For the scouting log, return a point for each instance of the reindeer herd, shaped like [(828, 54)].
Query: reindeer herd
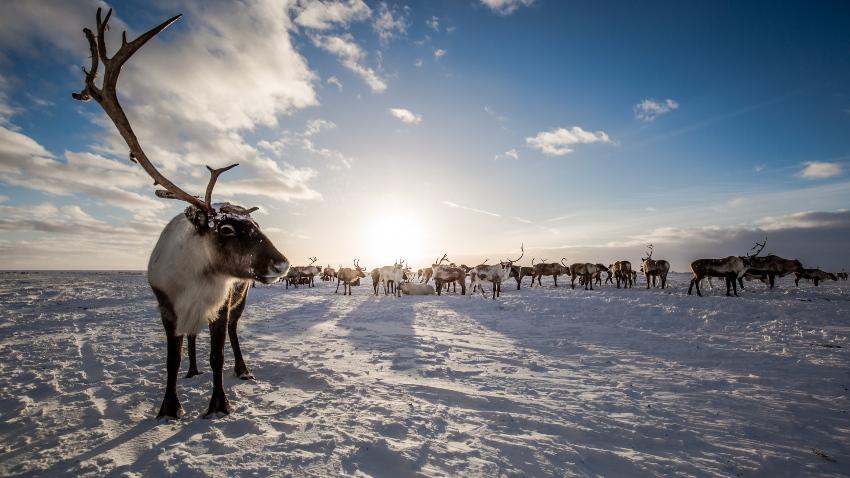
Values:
[(207, 256), (400, 279)]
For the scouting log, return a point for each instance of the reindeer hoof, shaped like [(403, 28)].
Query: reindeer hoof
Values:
[(219, 407), (192, 373), (244, 373), (170, 409)]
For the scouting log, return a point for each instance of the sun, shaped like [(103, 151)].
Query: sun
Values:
[(395, 235)]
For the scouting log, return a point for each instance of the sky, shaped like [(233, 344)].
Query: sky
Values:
[(380, 130)]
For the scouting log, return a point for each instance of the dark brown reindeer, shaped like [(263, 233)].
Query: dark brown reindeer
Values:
[(770, 266), (730, 268), (553, 269), (206, 257), (816, 275)]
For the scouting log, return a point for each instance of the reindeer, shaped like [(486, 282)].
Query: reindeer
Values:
[(293, 277), (310, 272), (205, 259), (815, 275), (519, 273), (410, 288), (349, 277), (328, 273), (447, 274), (391, 277), (770, 266), (584, 272), (622, 271), (425, 274), (553, 269), (376, 279), (730, 268), (652, 268), (495, 274)]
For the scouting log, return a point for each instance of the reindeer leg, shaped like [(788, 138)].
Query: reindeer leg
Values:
[(170, 407), (239, 368), (555, 276), (218, 333), (772, 278), (343, 290), (193, 364)]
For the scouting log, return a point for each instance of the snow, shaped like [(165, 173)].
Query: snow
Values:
[(542, 382)]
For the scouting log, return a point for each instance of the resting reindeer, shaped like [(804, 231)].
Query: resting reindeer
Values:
[(584, 272), (553, 269), (496, 274), (730, 268), (815, 275), (448, 274), (410, 288), (349, 277), (206, 257), (654, 268)]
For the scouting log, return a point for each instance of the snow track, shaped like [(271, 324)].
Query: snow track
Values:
[(543, 382)]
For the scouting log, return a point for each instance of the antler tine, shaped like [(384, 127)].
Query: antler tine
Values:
[(107, 97), (214, 174), (522, 248), (563, 259)]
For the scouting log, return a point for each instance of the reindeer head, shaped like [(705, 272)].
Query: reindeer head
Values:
[(236, 245), (360, 271)]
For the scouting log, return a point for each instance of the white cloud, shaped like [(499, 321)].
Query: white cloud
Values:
[(418, 63), (324, 15), (317, 126), (649, 109), (389, 23), (433, 23), (352, 57), (820, 170), (470, 209), (406, 116), (559, 142), (509, 154), (25, 163), (506, 7), (334, 81), (439, 53)]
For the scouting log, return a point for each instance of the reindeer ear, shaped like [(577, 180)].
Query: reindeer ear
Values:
[(199, 218)]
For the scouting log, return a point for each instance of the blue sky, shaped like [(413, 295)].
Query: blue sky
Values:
[(379, 129)]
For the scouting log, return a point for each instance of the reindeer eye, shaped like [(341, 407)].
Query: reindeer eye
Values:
[(226, 230)]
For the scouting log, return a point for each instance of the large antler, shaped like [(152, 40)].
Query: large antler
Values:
[(759, 246), (521, 248), (312, 260), (107, 97), (444, 258), (563, 263), (649, 248)]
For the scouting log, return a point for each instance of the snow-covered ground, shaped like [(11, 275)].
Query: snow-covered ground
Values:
[(543, 382)]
